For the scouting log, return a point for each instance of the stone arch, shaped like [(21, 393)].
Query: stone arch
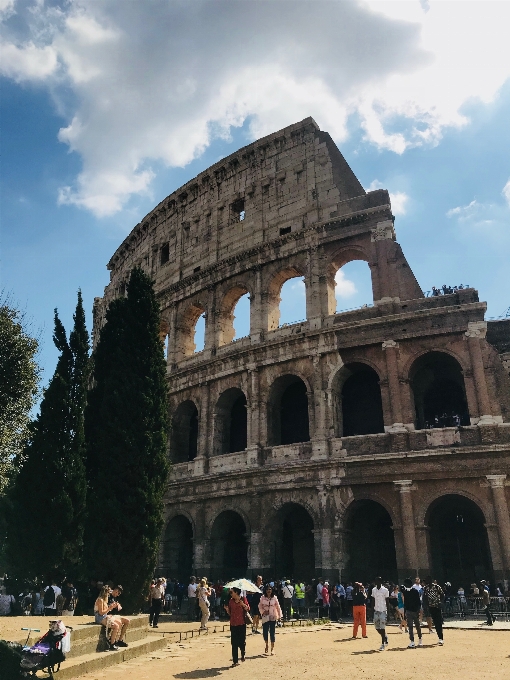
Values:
[(438, 390), (337, 260), (185, 331), (230, 422), (370, 542), (228, 545), (273, 293), (226, 331), (294, 544), (288, 411), (458, 541), (184, 432), (177, 548), (357, 402)]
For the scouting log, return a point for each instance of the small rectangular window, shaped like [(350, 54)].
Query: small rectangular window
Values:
[(285, 230), (164, 253), (196, 270), (237, 210)]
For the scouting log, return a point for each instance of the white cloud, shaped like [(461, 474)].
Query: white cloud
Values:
[(344, 288), (156, 82), (399, 199), (506, 192), (465, 212), (483, 220)]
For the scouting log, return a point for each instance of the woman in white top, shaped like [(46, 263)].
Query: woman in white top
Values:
[(203, 593), (271, 612)]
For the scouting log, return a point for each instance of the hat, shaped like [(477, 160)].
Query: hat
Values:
[(287, 582)]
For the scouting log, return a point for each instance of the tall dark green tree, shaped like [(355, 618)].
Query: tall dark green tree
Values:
[(47, 503), (126, 427)]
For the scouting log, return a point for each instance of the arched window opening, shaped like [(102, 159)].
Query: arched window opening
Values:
[(353, 286), (286, 299), (177, 549), (439, 394), (231, 422), (199, 336), (164, 337), (358, 401), (234, 318), (294, 545), (370, 543), (459, 547), (241, 320), (184, 435), (288, 412), (229, 547)]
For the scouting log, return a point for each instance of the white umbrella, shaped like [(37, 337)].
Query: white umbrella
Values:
[(243, 584)]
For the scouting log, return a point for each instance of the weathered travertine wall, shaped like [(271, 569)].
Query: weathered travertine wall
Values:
[(289, 205)]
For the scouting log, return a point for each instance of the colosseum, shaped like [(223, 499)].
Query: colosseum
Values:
[(375, 440)]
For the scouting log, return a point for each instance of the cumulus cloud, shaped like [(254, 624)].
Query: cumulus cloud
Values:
[(156, 82), (399, 199), (344, 288)]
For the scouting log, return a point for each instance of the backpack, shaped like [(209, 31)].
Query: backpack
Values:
[(49, 597)]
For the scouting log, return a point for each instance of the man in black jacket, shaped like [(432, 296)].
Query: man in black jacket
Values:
[(412, 606)]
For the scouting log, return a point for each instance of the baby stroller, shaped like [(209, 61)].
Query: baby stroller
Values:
[(48, 653)]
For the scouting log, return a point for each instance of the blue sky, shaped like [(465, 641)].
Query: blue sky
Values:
[(101, 120)]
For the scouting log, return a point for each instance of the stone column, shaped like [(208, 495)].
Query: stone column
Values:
[(497, 483), (405, 486), (381, 237), (258, 323), (203, 452), (253, 444), (171, 350), (316, 290), (475, 334), (211, 322), (391, 349)]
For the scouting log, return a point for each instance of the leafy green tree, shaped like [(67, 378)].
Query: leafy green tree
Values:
[(46, 505), (126, 427), (19, 379)]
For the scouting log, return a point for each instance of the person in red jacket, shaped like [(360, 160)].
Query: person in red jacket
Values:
[(236, 608)]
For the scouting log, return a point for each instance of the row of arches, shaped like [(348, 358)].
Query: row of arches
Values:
[(437, 386), (348, 286), (458, 544)]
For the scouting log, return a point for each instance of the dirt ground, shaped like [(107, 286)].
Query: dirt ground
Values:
[(328, 653)]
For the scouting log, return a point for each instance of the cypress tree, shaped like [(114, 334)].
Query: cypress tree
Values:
[(46, 505), (126, 426)]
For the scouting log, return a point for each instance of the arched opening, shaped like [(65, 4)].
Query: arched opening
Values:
[(437, 385), (286, 299), (294, 553), (353, 286), (234, 318), (177, 549), (370, 543), (229, 546), (184, 434), (190, 331), (459, 546), (288, 412), (358, 404), (231, 422)]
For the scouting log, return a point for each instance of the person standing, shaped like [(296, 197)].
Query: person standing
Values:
[(433, 593), (203, 593), (70, 595), (401, 610), (288, 592), (236, 608), (486, 601), (253, 600), (192, 599), (348, 598), (271, 612), (325, 598), (51, 593), (380, 597), (156, 595), (359, 610), (300, 593), (320, 586), (412, 605)]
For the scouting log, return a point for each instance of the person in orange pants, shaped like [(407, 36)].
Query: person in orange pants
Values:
[(359, 610)]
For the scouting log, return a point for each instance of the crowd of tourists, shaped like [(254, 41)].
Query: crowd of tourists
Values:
[(415, 606)]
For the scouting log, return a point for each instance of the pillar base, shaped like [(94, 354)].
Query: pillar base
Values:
[(489, 420), (320, 449), (198, 466), (253, 456), (396, 427)]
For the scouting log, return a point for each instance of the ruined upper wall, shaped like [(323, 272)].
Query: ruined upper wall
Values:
[(281, 183)]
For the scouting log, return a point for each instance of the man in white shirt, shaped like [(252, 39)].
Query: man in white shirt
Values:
[(50, 599), (380, 597), (320, 586), (192, 599), (288, 592)]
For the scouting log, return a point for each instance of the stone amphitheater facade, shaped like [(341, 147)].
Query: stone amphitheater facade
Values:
[(303, 450)]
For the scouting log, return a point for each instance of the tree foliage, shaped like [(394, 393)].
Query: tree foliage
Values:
[(46, 505), (19, 379), (126, 427)]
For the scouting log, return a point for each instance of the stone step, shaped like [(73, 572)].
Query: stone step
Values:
[(94, 661), (92, 637)]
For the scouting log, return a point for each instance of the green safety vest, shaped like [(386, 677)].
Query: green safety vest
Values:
[(300, 592)]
